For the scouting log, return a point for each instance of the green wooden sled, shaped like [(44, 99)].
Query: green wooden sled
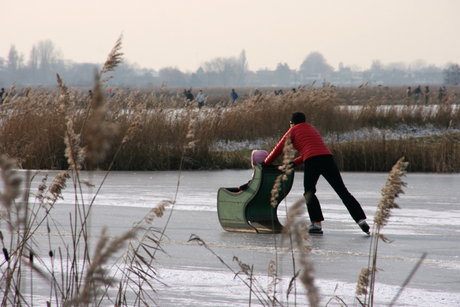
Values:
[(250, 210)]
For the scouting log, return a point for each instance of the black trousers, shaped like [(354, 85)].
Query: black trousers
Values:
[(325, 165)]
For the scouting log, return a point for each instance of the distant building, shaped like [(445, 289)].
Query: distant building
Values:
[(309, 78)]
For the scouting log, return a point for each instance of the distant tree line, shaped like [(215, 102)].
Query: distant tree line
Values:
[(452, 74), (45, 60)]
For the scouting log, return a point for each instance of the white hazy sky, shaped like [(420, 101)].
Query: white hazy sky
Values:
[(187, 33)]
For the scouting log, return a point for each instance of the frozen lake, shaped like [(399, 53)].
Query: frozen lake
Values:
[(428, 221)]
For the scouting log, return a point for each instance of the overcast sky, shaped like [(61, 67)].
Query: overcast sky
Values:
[(186, 33)]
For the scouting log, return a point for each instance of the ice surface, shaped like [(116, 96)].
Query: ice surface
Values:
[(428, 221)]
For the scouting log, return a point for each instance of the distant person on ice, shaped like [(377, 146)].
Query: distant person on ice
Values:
[(200, 99), (233, 95), (440, 95), (2, 95), (427, 95), (185, 91), (408, 94), (417, 92), (318, 160), (189, 96)]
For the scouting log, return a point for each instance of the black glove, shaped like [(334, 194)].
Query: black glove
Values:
[(291, 164), (244, 186), (263, 164)]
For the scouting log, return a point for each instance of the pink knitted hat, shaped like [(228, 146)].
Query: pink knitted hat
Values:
[(258, 156)]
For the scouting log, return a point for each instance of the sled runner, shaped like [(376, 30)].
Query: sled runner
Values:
[(250, 210)]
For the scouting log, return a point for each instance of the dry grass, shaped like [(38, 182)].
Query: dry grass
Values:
[(429, 154), (34, 122)]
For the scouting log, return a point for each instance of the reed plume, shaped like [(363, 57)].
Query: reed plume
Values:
[(113, 59), (392, 189), (363, 282), (41, 190), (74, 153), (138, 269), (157, 211), (273, 280), (132, 128), (11, 182), (96, 275), (99, 133), (58, 184), (64, 97), (390, 192), (296, 230), (190, 137), (286, 168), (10, 94)]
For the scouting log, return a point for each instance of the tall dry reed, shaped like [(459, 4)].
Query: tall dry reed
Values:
[(380, 153), (84, 278), (392, 189), (33, 123)]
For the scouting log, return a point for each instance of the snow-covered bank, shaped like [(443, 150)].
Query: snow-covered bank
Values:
[(401, 132)]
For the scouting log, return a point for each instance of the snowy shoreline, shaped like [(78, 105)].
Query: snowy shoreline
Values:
[(401, 132)]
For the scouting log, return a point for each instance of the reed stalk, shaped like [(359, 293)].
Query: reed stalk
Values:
[(392, 189)]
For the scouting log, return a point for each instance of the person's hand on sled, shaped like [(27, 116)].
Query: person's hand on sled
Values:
[(244, 186)]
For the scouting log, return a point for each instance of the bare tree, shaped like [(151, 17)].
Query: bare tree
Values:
[(452, 74), (173, 76), (14, 64), (377, 66), (316, 63), (242, 67), (199, 78), (33, 63), (47, 57), (225, 69), (401, 66), (14, 59), (283, 74), (418, 64)]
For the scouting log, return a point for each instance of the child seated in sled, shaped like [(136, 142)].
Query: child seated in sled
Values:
[(257, 156)]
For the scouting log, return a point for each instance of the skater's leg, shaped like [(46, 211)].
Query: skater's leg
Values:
[(332, 175), (313, 206), (311, 176)]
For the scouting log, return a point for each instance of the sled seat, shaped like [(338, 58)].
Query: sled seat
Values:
[(250, 210)]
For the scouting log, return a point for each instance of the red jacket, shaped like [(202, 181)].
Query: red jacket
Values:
[(305, 139)]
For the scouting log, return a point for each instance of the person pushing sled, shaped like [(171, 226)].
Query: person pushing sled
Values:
[(318, 160)]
